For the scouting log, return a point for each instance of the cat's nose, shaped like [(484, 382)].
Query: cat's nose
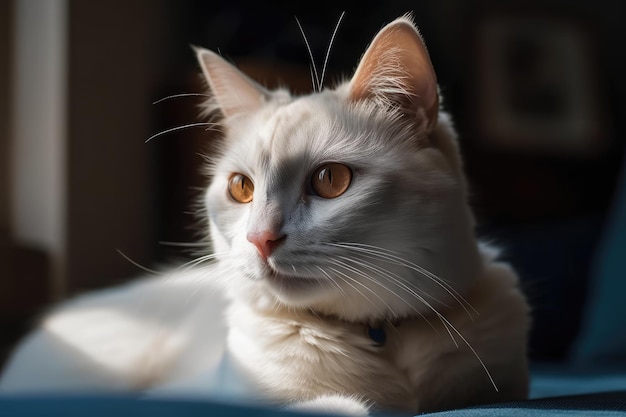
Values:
[(266, 242)]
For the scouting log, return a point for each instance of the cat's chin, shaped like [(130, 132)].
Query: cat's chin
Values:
[(293, 290)]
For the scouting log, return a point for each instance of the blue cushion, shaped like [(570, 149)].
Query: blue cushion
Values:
[(559, 380), (595, 405), (610, 404), (123, 406), (603, 336)]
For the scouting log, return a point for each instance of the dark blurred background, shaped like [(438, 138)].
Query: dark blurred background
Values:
[(536, 89)]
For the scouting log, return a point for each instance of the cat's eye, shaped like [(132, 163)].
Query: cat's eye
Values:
[(240, 188), (331, 180)]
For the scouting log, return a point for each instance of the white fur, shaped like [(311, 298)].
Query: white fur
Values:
[(396, 250)]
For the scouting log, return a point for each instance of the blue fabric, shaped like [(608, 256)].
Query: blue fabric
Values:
[(122, 406), (596, 405), (565, 380), (604, 396), (608, 398), (603, 339)]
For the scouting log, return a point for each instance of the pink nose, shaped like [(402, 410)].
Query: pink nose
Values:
[(265, 242)]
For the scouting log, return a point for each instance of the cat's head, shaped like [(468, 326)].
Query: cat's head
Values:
[(349, 201)]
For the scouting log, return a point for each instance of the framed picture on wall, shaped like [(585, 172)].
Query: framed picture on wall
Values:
[(536, 87)]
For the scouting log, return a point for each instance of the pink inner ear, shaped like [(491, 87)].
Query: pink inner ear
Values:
[(396, 67)]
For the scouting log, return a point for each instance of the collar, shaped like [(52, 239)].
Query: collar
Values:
[(376, 331), (377, 334)]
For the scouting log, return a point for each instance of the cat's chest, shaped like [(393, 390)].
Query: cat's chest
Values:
[(299, 358)]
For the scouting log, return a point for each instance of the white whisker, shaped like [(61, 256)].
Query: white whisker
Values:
[(391, 257), (173, 129), (217, 276), (151, 271), (312, 76), (341, 276), (181, 95), (183, 244), (332, 280), (474, 352), (316, 83), (330, 45), (427, 304), (379, 253), (405, 288), (350, 269), (395, 278), (187, 266)]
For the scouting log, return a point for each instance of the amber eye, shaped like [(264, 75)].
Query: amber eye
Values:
[(331, 180), (240, 188)]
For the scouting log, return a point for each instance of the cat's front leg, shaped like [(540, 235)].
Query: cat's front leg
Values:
[(334, 404), (129, 338)]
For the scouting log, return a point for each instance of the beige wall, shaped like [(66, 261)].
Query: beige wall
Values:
[(116, 64), (5, 67)]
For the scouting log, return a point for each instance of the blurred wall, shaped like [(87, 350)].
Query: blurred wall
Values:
[(117, 58), (38, 130), (5, 65)]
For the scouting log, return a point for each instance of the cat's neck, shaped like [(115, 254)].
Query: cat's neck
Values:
[(375, 328)]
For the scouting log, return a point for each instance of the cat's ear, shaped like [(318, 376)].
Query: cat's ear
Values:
[(233, 91), (396, 71)]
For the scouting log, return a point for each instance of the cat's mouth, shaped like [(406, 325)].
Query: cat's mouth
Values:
[(294, 290), (288, 282)]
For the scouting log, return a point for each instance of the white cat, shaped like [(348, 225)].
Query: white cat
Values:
[(346, 265)]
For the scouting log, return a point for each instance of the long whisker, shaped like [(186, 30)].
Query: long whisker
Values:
[(181, 95), (189, 249), (395, 278), (356, 271), (198, 261), (316, 83), (150, 271), (173, 129), (332, 280), (342, 275), (408, 290), (183, 244), (473, 351), (219, 276), (449, 326), (330, 45), (312, 77), (372, 254), (391, 257), (396, 256)]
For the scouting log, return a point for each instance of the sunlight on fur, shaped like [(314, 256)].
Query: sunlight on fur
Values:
[(111, 339)]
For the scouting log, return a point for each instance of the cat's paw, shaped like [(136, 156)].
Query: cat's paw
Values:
[(335, 404)]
